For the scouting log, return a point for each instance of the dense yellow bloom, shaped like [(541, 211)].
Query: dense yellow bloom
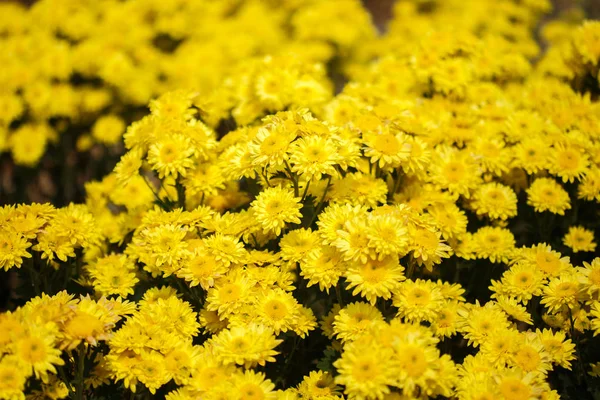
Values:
[(324, 267), (548, 261), (275, 207), (37, 353), (113, 274), (545, 194), (13, 247), (579, 239), (13, 379), (359, 189), (375, 278), (521, 281), (171, 156), (245, 345), (355, 320), (128, 166), (477, 322), (428, 247), (591, 273), (455, 171), (418, 300), (314, 156), (302, 148), (108, 129), (495, 244), (495, 201), (564, 290), (366, 374), (386, 148), (299, 244)]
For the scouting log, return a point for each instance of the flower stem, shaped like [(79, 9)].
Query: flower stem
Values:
[(180, 194), (80, 371), (305, 191), (320, 204), (293, 178), (338, 293)]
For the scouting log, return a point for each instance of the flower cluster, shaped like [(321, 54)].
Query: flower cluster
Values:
[(427, 232), (84, 68)]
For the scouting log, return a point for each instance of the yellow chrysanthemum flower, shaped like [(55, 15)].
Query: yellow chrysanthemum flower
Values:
[(579, 239), (248, 345), (545, 194), (495, 201), (275, 207)]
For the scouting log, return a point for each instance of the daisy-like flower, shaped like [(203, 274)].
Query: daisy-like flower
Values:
[(252, 385), (13, 248), (314, 156), (456, 171), (211, 322), (229, 294), (564, 290), (419, 155), (271, 146), (92, 321), (275, 207), (150, 370), (248, 345), (108, 129), (550, 262), (428, 247), (171, 156), (366, 374), (225, 248), (161, 248), (495, 201), (589, 187), (353, 241), (278, 310), (531, 154), (173, 105), (596, 318), (515, 384), (531, 356), (387, 235), (450, 220), (37, 352), (318, 385), (477, 323), (499, 347), (202, 268), (579, 239), (521, 281), (12, 378), (446, 320), (591, 273), (334, 217), (417, 362), (324, 267), (375, 278), (560, 349), (545, 194), (492, 154), (354, 320), (359, 189), (515, 310), (299, 244), (113, 274), (418, 300), (568, 162), (386, 148), (493, 243)]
